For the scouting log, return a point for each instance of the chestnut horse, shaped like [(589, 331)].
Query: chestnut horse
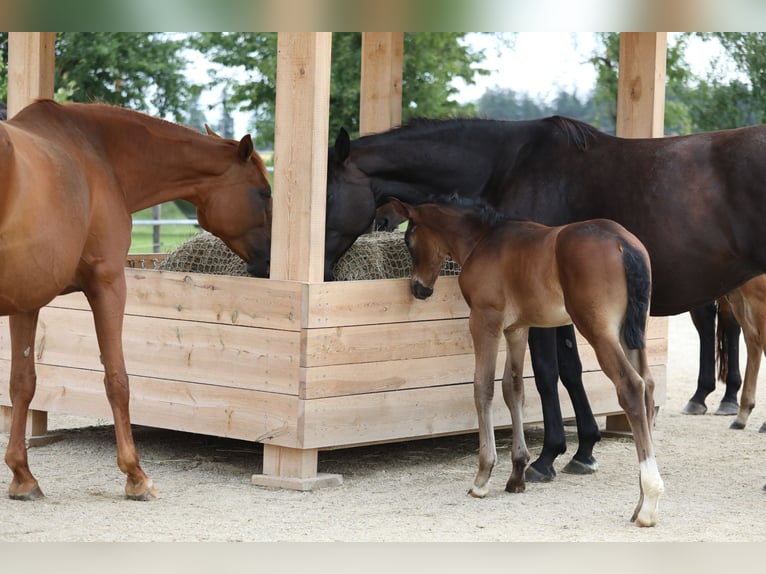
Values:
[(518, 274), (71, 177), (696, 202)]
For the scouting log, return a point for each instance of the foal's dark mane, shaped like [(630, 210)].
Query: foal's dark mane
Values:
[(485, 213)]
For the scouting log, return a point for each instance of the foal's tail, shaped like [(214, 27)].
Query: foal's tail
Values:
[(638, 276)]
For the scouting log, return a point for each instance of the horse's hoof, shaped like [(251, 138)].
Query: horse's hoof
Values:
[(34, 494), (150, 493), (693, 408), (578, 467), (477, 492), (515, 487), (727, 408), (531, 474), (736, 425)]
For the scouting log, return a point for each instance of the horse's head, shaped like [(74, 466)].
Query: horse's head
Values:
[(238, 210), (425, 248), (350, 202)]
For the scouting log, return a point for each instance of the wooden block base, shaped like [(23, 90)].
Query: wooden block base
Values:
[(321, 480)]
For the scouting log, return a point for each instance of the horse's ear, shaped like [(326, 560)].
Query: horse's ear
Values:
[(402, 209), (210, 131), (342, 146), (245, 149)]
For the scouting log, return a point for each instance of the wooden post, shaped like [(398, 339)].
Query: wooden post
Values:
[(641, 85), (298, 225), (300, 155), (640, 109), (380, 106), (30, 76)]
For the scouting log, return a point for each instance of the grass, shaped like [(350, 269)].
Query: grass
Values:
[(171, 236)]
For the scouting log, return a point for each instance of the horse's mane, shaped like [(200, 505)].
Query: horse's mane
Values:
[(577, 132)]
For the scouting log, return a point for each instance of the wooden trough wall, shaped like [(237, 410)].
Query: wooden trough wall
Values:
[(306, 366)]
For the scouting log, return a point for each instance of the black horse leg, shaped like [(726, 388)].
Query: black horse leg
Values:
[(703, 318), (728, 339), (570, 371), (542, 352)]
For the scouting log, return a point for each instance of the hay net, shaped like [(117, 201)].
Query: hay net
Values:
[(376, 255)]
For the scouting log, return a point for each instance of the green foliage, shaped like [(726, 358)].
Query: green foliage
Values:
[(247, 65)]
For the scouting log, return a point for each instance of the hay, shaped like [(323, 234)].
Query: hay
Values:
[(377, 255)]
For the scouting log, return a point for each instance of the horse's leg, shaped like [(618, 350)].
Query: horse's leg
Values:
[(513, 394), (542, 352), (107, 300), (636, 399), (22, 389), (751, 319), (703, 318), (728, 338), (570, 370), (485, 332)]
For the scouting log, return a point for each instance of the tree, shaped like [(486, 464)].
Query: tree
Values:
[(143, 71), (247, 63)]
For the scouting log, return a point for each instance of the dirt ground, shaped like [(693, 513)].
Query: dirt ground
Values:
[(413, 491)]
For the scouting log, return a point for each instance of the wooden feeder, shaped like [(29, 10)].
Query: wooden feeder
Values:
[(292, 362)]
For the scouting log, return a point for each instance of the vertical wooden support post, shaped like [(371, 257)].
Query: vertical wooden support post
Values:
[(298, 225), (30, 76), (640, 108), (380, 106)]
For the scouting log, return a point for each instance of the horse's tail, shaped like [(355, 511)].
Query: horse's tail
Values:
[(726, 323), (639, 281)]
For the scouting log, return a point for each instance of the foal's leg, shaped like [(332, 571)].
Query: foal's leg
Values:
[(22, 389), (106, 293), (570, 370), (634, 398), (485, 332), (513, 393), (703, 318)]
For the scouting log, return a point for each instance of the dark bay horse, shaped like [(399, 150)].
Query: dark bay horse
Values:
[(71, 175), (518, 274), (696, 202)]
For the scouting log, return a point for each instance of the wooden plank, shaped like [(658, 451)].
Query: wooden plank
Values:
[(225, 355), (243, 301), (300, 155), (387, 341), (30, 68), (417, 413), (345, 303), (380, 105), (178, 405), (641, 84), (381, 376)]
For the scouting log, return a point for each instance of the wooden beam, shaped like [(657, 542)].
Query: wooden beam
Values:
[(30, 68), (641, 84), (300, 155), (380, 106)]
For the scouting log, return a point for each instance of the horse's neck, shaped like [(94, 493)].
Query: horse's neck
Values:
[(461, 236), (411, 166), (152, 160)]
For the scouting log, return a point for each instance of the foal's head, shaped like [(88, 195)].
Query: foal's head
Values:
[(238, 209), (425, 240)]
